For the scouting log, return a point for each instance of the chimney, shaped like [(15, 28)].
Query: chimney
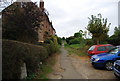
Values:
[(42, 5)]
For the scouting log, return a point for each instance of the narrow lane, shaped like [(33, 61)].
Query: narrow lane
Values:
[(69, 70), (77, 67)]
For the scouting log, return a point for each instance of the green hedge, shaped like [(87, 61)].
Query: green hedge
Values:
[(51, 44), (15, 53)]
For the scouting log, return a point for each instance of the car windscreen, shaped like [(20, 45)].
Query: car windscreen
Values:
[(114, 51), (91, 48)]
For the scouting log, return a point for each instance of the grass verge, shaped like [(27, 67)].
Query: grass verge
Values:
[(45, 68), (77, 49)]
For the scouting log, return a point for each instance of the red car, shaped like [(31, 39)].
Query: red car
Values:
[(97, 49)]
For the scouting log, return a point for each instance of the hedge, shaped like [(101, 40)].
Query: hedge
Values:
[(15, 53)]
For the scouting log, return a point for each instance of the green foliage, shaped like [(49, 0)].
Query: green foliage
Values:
[(68, 39), (59, 40), (75, 41), (115, 38), (98, 28), (89, 42), (52, 44), (15, 53), (63, 38), (117, 31), (79, 34), (46, 68), (20, 22), (77, 49)]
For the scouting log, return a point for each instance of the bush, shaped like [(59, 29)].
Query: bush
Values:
[(89, 42), (52, 44), (14, 54), (114, 40), (74, 41), (59, 40), (69, 38)]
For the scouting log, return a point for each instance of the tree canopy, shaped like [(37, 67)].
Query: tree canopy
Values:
[(115, 38), (98, 27), (79, 34)]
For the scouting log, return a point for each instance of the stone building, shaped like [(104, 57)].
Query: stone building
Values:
[(46, 28)]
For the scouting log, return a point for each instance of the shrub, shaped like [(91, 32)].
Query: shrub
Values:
[(69, 38), (89, 42), (59, 40), (15, 53), (52, 44), (114, 40), (74, 41)]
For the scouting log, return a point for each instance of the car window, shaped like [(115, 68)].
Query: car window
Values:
[(92, 48), (109, 47), (114, 51), (102, 48)]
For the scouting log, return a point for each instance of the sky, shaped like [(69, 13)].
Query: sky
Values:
[(70, 16)]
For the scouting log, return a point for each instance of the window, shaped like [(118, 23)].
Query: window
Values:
[(102, 48), (109, 47), (92, 48)]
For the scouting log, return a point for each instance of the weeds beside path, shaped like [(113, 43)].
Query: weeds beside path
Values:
[(77, 49), (47, 67)]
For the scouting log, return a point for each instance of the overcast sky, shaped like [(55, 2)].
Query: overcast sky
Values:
[(70, 16)]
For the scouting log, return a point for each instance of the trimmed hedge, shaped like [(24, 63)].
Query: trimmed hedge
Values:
[(15, 53)]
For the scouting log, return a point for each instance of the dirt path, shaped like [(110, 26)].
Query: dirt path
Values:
[(75, 67), (66, 63)]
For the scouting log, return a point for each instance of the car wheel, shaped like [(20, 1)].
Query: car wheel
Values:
[(109, 66)]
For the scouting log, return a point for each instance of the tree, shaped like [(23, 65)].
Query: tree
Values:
[(63, 38), (21, 21), (117, 31), (98, 27), (79, 34), (69, 38), (115, 38), (59, 40)]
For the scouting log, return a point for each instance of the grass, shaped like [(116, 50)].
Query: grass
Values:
[(44, 69), (77, 49)]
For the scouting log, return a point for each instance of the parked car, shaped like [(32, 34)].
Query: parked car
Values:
[(106, 60), (116, 68), (118, 46), (97, 49)]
